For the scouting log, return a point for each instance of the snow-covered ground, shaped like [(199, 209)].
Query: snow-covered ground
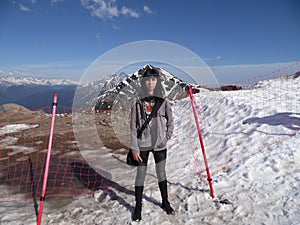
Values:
[(252, 142), (11, 128)]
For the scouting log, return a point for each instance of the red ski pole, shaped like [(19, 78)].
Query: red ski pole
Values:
[(209, 179), (42, 200)]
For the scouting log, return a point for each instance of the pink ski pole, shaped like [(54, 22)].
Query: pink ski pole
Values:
[(209, 179), (42, 200)]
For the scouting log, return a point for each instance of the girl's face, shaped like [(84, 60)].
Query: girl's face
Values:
[(150, 84)]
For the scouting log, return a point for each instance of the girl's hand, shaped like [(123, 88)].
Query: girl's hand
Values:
[(137, 157)]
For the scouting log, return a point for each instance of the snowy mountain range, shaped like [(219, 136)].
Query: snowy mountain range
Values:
[(33, 92), (9, 81)]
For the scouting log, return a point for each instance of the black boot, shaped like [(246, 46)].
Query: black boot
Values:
[(137, 214), (164, 195)]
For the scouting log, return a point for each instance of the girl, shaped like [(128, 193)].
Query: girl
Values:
[(153, 138)]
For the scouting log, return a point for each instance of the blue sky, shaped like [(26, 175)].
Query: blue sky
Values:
[(61, 38)]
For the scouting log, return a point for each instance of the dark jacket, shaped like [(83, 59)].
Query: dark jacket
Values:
[(164, 124)]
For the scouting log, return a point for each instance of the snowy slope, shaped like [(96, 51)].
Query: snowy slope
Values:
[(252, 141)]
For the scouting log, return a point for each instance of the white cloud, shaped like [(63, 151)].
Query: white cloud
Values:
[(101, 8), (147, 9), (130, 12), (24, 8), (107, 9)]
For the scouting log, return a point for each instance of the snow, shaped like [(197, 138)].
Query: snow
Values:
[(253, 160), (11, 128)]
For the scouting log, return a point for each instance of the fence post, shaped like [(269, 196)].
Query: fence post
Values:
[(209, 179), (42, 199)]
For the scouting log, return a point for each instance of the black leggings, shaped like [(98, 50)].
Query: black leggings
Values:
[(160, 165)]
